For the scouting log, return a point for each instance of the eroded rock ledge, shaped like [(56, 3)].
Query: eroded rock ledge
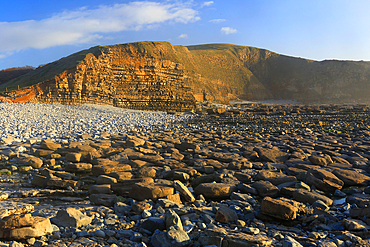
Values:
[(116, 76)]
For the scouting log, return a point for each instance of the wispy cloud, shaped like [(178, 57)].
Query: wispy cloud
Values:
[(209, 3), (217, 20), (183, 36), (88, 25), (228, 30)]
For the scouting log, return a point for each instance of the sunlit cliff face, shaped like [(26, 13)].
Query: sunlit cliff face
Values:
[(157, 75)]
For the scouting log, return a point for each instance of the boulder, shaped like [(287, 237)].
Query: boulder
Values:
[(350, 177), (70, 217), (323, 180), (278, 209), (215, 190), (305, 196), (78, 167), (142, 191), (272, 155), (226, 215), (265, 188), (18, 227), (184, 191), (173, 237)]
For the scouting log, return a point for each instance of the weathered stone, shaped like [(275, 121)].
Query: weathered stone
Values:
[(50, 145), (351, 178), (39, 180), (133, 141), (103, 179), (138, 207), (109, 167), (142, 191), (186, 145), (174, 198), (35, 162), (320, 161), (78, 167), (245, 188), (43, 152), (121, 175), (143, 172), (291, 242), (8, 208), (18, 227), (323, 180), (271, 155), (184, 191), (107, 200), (73, 157), (172, 219), (236, 238), (100, 189), (278, 208), (265, 188), (226, 215), (355, 225), (361, 200), (310, 197), (215, 190), (71, 217), (61, 183), (153, 223), (225, 157), (174, 237)]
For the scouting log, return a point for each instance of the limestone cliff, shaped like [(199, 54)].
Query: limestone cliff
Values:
[(121, 75), (157, 75)]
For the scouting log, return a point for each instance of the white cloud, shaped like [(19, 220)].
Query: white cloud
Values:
[(217, 20), (228, 30), (84, 25), (209, 3), (183, 36)]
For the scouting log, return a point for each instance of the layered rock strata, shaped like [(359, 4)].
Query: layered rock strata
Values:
[(117, 76)]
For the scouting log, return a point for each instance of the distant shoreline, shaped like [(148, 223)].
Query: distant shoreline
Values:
[(268, 102)]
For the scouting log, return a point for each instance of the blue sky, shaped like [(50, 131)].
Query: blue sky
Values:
[(41, 31)]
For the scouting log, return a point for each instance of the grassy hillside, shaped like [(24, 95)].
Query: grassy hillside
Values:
[(48, 71), (12, 73)]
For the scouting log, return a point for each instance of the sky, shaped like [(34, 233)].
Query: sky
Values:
[(41, 31)]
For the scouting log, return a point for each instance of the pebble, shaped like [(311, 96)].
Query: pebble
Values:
[(113, 177)]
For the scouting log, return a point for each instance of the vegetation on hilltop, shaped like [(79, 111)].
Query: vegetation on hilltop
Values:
[(11, 73), (48, 71)]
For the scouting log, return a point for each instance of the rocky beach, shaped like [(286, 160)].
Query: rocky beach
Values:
[(247, 175)]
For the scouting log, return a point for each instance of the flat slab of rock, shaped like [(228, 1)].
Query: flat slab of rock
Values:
[(78, 167), (8, 208), (225, 157), (18, 227), (272, 155), (278, 208), (108, 167), (320, 161), (305, 196), (215, 190), (218, 236), (323, 180), (142, 191), (351, 178), (265, 188)]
